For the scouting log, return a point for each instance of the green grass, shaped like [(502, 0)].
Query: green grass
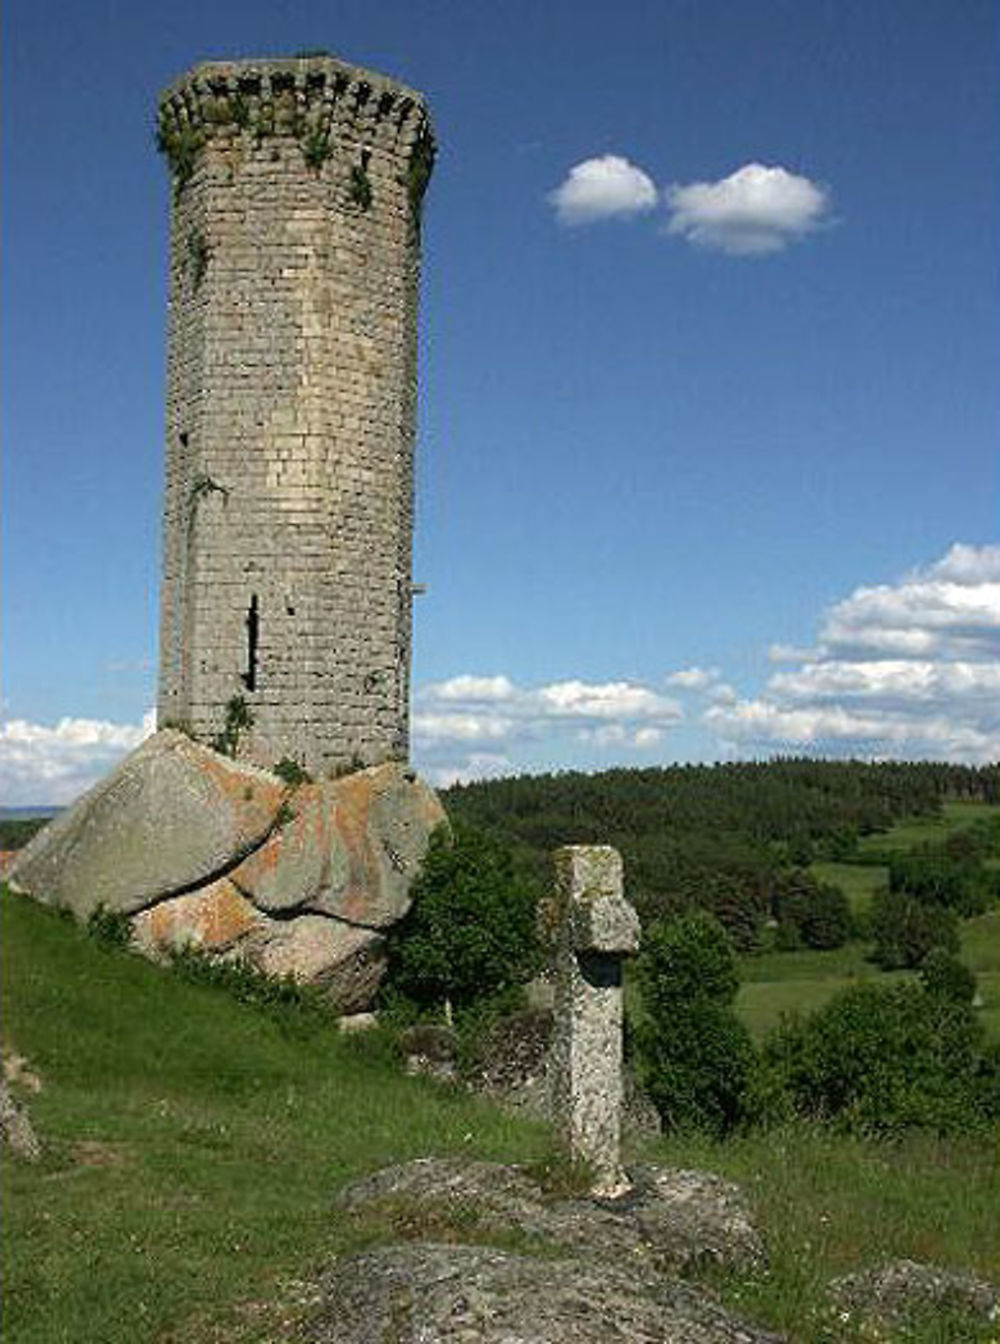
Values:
[(834, 1205), (981, 950), (775, 983), (956, 816), (193, 1145), (782, 982), (856, 882)]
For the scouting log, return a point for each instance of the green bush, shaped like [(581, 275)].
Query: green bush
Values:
[(292, 772), (810, 913), (470, 932), (905, 929), (695, 1057), (112, 928), (949, 875), (944, 976), (878, 1059)]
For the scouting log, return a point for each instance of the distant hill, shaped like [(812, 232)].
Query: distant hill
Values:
[(29, 813)]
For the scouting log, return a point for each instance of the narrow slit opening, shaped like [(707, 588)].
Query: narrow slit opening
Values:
[(249, 677)]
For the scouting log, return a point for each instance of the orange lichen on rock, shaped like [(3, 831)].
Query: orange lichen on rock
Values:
[(213, 918)]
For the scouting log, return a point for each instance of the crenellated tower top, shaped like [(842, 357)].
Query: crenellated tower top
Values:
[(320, 101)]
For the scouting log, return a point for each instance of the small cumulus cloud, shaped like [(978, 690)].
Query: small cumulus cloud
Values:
[(754, 211), (44, 764), (607, 187), (464, 688), (693, 678)]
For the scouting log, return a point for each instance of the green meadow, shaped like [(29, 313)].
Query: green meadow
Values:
[(192, 1146), (775, 983)]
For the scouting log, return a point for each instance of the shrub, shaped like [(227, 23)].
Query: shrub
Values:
[(695, 1057), (734, 902), (470, 932), (112, 928), (291, 771), (905, 929), (881, 1058), (810, 913), (944, 976), (294, 1006), (949, 875)]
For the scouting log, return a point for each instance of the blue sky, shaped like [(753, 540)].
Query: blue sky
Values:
[(707, 459)]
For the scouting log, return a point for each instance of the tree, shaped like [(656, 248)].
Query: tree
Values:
[(695, 1056), (810, 913), (471, 929), (881, 1058), (905, 929)]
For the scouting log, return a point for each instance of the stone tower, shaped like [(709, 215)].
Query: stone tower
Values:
[(295, 251)]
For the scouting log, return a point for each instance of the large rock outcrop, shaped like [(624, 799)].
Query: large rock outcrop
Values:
[(441, 1294), (200, 850), (672, 1219), (594, 1270)]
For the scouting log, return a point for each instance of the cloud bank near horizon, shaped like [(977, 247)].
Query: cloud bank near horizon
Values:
[(905, 670), (908, 670), (49, 766)]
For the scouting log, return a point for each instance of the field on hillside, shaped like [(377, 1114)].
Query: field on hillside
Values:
[(193, 1145), (775, 983)]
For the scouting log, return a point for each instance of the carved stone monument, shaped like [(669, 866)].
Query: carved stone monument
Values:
[(592, 928)]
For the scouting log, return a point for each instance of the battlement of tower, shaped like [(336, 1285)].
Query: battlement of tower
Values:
[(321, 101)]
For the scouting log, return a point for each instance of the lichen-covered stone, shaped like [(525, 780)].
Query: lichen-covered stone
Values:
[(172, 816), (591, 928), (672, 1219), (16, 1130), (347, 962), (434, 1294), (215, 918), (204, 852), (892, 1291), (351, 849)]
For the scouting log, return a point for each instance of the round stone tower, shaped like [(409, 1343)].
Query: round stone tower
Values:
[(295, 251)]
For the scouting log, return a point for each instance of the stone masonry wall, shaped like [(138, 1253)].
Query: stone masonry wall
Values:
[(297, 187)]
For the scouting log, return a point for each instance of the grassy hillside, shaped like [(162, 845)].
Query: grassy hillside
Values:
[(193, 1142), (780, 982), (193, 1145)]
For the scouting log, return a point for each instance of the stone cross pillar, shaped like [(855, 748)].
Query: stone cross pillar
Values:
[(592, 929)]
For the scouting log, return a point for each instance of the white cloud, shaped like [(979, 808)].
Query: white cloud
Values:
[(755, 210), (910, 670), (948, 609), (470, 725), (610, 700), (461, 727), (602, 188), (693, 678), (790, 653), (466, 688), (40, 764), (477, 765)]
